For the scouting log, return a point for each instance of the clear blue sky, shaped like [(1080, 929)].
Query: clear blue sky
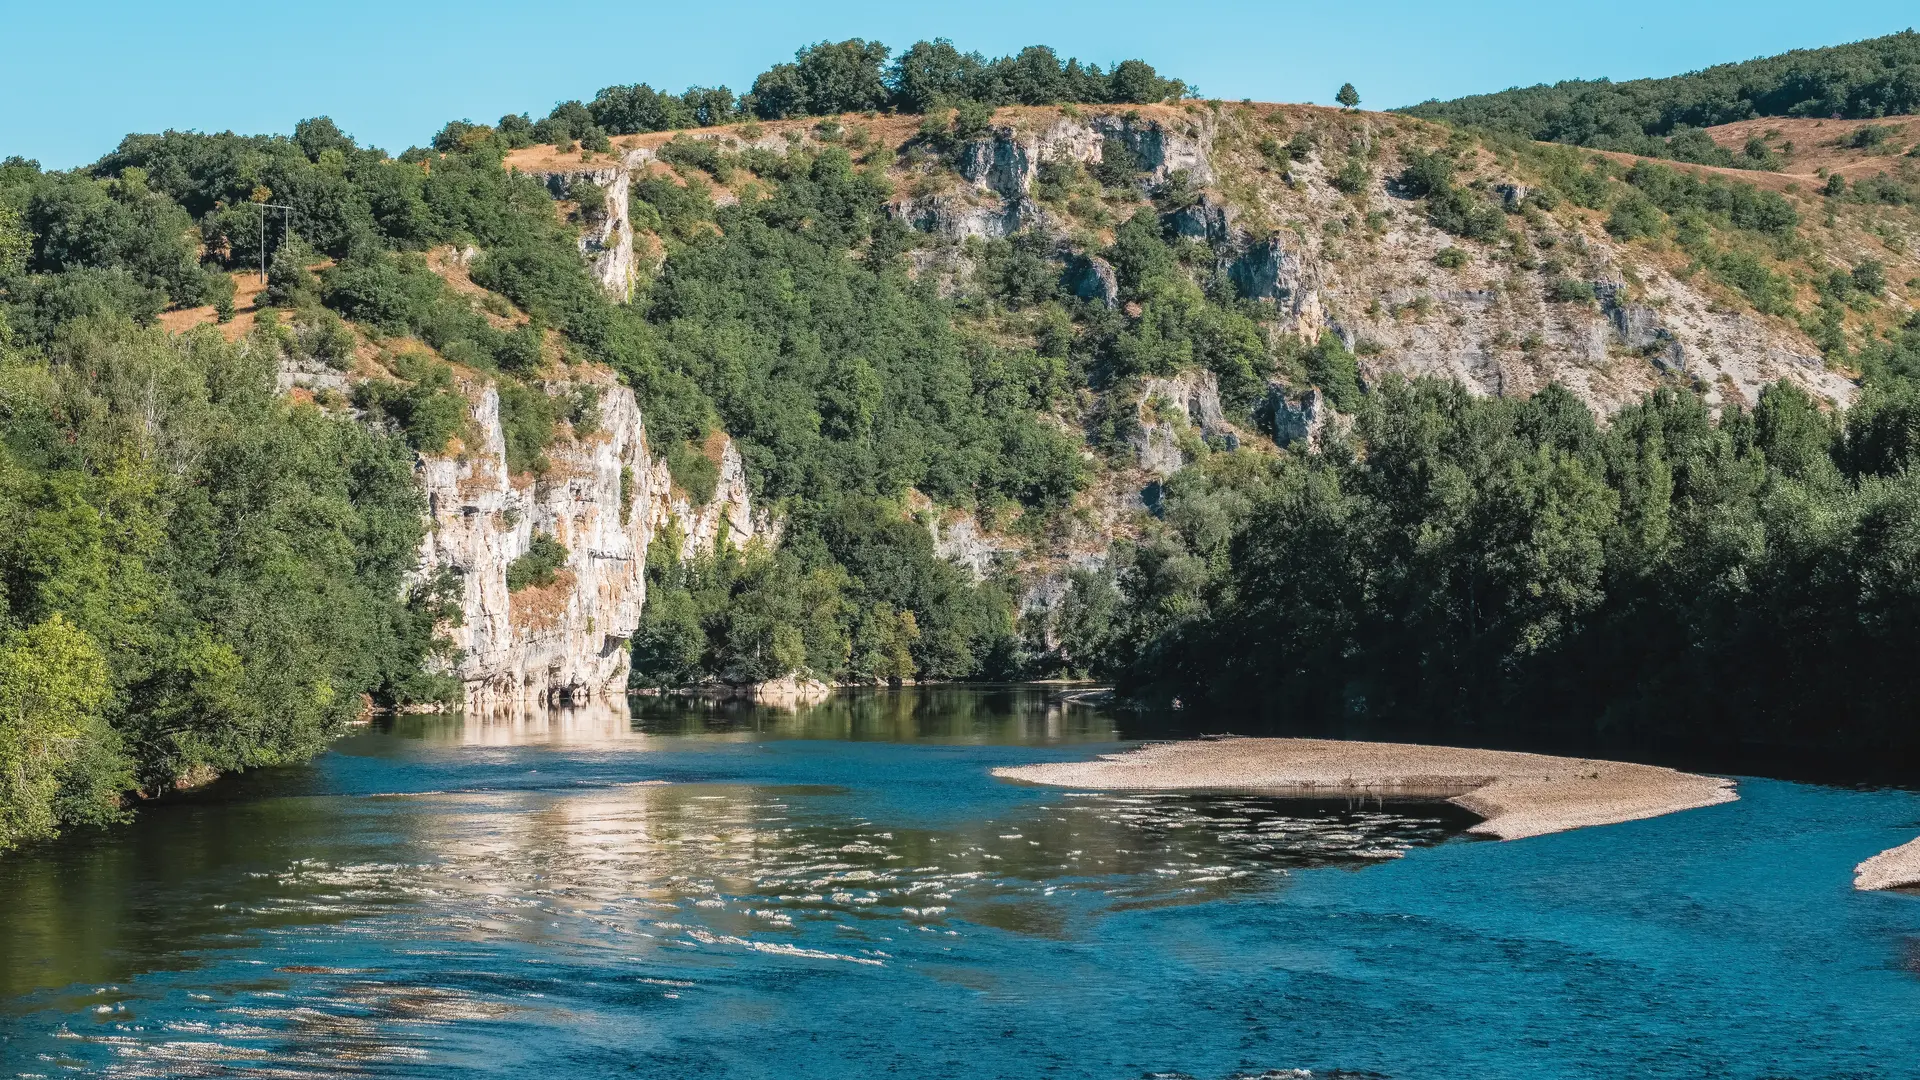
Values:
[(75, 77)]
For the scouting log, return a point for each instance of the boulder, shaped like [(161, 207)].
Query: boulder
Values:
[(1091, 277)]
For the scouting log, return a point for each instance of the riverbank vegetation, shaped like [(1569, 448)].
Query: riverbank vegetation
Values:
[(1499, 562)]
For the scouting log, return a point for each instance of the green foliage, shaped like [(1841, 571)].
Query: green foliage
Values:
[(197, 574), (536, 567), (1563, 290), (1450, 208), (1450, 258), (54, 684), (1740, 205), (837, 373), (527, 416), (855, 593), (1335, 371), (1874, 78), (693, 472), (426, 408), (1512, 563), (1766, 290), (1354, 177), (1347, 97)]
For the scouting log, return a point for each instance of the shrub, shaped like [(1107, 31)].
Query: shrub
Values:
[(1634, 217), (1564, 290), (1870, 277), (427, 408), (1450, 258), (693, 472), (535, 568), (1334, 370), (1425, 174), (1460, 212), (1354, 177), (1118, 166)]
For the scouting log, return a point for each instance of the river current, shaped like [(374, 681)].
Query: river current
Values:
[(708, 890)]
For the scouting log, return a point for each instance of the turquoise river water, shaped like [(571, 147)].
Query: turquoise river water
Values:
[(703, 890)]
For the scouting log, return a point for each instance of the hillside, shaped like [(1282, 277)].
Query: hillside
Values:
[(1858, 81), (989, 390)]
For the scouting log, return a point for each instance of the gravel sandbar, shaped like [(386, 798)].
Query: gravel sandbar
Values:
[(1517, 794), (1895, 868)]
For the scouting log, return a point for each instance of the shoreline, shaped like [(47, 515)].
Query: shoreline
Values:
[(1894, 868), (1516, 794)]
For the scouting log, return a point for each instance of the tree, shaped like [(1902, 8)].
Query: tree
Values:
[(53, 684), (1348, 97)]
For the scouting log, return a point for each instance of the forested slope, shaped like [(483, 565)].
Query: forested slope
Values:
[(1033, 369), (1661, 117)]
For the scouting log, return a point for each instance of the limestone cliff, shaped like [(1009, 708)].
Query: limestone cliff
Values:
[(606, 240), (728, 516), (603, 498)]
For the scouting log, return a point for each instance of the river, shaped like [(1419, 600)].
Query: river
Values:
[(710, 890)]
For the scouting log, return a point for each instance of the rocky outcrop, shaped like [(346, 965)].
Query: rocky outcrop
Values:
[(565, 641), (1274, 271), (1007, 159), (1091, 277), (1001, 166), (604, 498), (727, 516), (1639, 329), (1207, 219), (606, 241), (957, 215), (959, 539), (1176, 408), (1299, 420)]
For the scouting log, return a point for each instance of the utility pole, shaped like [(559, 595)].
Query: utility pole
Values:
[(286, 232)]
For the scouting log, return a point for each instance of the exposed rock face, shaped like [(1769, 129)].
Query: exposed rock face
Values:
[(1638, 328), (958, 538), (607, 241), (1209, 220), (1194, 397), (604, 499), (566, 641), (1002, 165), (1271, 270), (728, 516), (957, 215), (1092, 278), (1298, 419)]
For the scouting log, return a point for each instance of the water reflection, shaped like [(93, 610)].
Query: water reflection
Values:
[(371, 932), (1014, 715)]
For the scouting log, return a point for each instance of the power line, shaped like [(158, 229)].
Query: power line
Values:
[(286, 232)]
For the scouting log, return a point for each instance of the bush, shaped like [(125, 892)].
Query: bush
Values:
[(427, 409), (536, 568), (527, 415), (1335, 371), (1565, 290), (1635, 217), (1425, 174), (1354, 177), (1118, 167), (1450, 258), (1460, 212), (693, 472)]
